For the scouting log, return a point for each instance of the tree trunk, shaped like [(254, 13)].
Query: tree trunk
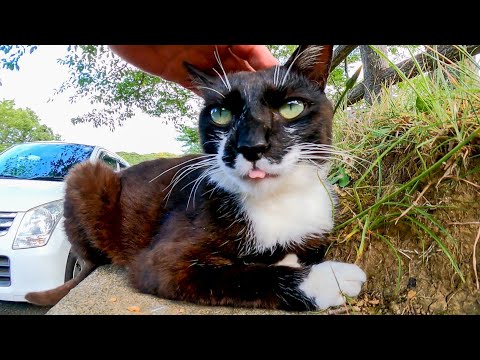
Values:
[(373, 66), (426, 61)]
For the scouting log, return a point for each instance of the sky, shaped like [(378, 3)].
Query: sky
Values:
[(34, 84)]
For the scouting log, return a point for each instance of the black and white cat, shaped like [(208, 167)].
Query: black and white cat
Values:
[(241, 225)]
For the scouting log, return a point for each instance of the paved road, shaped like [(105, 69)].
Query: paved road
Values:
[(19, 308)]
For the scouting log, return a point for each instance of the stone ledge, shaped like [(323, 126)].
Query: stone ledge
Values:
[(106, 292)]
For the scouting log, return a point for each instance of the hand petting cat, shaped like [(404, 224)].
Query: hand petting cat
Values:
[(166, 61)]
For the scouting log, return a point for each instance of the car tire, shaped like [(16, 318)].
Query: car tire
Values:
[(74, 266)]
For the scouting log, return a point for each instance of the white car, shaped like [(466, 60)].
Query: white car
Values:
[(34, 250)]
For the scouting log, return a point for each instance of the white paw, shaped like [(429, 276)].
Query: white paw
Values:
[(328, 282), (290, 260)]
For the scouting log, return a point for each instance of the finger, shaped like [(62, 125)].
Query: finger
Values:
[(230, 61), (241, 61), (258, 56)]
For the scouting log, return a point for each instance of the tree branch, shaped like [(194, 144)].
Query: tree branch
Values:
[(340, 53), (426, 61)]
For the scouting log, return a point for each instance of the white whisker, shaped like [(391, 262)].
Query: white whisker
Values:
[(211, 141), (187, 170), (197, 183), (181, 174), (211, 191), (174, 167), (334, 156), (217, 57), (195, 180), (290, 67), (311, 152), (209, 88), (325, 149), (276, 75), (328, 159), (221, 78)]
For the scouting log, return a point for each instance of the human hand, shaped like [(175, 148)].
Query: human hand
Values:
[(166, 61)]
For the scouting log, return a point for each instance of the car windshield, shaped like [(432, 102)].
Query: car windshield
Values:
[(42, 161)]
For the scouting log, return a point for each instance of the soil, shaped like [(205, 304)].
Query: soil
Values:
[(428, 283)]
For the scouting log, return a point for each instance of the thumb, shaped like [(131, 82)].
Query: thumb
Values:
[(258, 56)]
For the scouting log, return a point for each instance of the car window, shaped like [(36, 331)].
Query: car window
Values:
[(110, 161), (42, 161)]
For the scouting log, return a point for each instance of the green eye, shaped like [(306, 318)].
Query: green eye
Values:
[(291, 109), (221, 116)]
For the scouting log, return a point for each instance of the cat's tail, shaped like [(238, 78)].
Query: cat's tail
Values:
[(53, 296), (93, 213)]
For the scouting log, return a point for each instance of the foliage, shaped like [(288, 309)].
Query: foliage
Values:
[(95, 72), (13, 53), (415, 136), (134, 158), (349, 84), (21, 125), (190, 138), (281, 52), (340, 75)]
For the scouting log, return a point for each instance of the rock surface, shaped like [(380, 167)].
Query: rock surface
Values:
[(106, 292)]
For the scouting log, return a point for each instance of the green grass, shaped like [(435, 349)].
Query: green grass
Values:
[(134, 158), (413, 135)]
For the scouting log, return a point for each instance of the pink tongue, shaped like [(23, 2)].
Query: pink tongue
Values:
[(256, 173)]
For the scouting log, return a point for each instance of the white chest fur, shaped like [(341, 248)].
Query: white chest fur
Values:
[(300, 207)]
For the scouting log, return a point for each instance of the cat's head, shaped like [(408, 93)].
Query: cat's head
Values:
[(263, 125)]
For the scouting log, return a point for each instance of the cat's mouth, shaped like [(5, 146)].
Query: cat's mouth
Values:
[(256, 174)]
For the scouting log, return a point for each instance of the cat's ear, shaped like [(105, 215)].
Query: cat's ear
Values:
[(199, 78), (313, 61)]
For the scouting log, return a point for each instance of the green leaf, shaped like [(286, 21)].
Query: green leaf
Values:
[(340, 177), (423, 104), (348, 85), (381, 132), (344, 180)]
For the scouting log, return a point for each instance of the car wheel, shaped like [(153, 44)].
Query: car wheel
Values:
[(74, 266)]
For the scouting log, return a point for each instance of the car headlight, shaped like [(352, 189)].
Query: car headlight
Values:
[(37, 225)]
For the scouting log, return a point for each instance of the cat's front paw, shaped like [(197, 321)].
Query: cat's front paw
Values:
[(329, 282)]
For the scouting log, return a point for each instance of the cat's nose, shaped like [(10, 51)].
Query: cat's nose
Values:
[(252, 139), (253, 152)]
